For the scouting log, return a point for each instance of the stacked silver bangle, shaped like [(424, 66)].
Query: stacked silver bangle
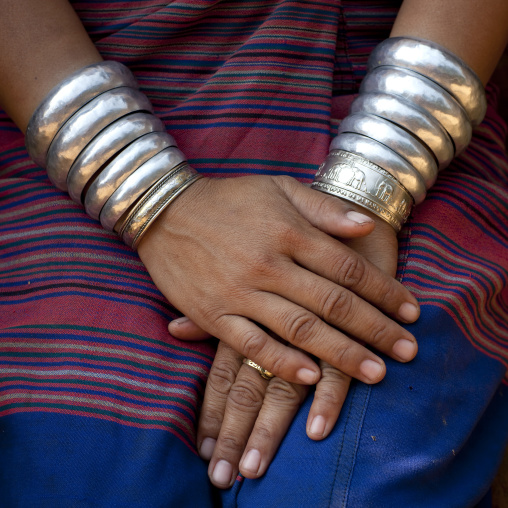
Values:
[(415, 112), (98, 139)]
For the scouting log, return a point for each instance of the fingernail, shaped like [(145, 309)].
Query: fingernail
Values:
[(307, 376), (252, 461), (371, 370), (409, 312), (359, 218), (222, 472), (180, 320), (317, 426), (207, 447), (405, 349)]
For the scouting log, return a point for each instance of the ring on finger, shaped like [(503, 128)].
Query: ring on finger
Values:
[(262, 372)]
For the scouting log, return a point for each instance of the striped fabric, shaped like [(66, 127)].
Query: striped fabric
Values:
[(246, 87)]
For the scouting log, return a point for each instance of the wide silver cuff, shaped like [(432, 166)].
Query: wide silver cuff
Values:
[(126, 163), (66, 98), (426, 94), (107, 144), (438, 64), (84, 125), (395, 138), (384, 157), (411, 117), (137, 183), (357, 179)]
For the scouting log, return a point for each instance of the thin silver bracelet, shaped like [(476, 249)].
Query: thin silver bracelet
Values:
[(137, 183)]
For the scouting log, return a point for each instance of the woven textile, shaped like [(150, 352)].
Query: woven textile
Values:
[(98, 404)]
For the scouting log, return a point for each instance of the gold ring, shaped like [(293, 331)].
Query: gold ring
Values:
[(262, 372)]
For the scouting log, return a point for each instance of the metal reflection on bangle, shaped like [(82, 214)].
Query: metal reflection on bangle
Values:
[(438, 64), (126, 163), (105, 145), (387, 159), (66, 98), (411, 117), (427, 94), (84, 125), (137, 183), (154, 202), (395, 138)]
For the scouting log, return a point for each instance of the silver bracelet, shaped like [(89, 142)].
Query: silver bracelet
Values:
[(411, 117), (66, 98), (360, 181), (155, 201), (428, 95), (395, 138), (107, 144), (84, 125), (387, 159), (126, 163), (137, 183), (438, 64)]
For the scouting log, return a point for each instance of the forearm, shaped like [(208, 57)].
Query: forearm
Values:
[(41, 44), (475, 30)]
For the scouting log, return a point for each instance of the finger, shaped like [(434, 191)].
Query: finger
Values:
[(257, 345), (280, 405), (222, 376), (329, 398), (185, 329), (327, 213), (334, 261), (242, 407), (304, 330), (337, 306)]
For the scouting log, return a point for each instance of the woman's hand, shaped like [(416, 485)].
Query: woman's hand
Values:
[(236, 252), (245, 417)]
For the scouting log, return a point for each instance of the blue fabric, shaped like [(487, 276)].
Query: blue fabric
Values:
[(414, 440)]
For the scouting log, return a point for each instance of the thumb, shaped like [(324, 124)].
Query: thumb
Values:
[(330, 214), (185, 329)]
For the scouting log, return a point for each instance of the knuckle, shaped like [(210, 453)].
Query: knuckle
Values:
[(246, 395), (254, 343), (343, 355), (350, 271), (230, 442), (284, 393), (264, 432), (331, 396), (300, 327), (221, 377), (378, 335), (336, 304), (263, 265)]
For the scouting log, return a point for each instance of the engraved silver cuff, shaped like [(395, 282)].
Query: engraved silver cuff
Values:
[(66, 98), (395, 138), (126, 163), (360, 181), (107, 144), (84, 125), (137, 183), (426, 94), (438, 64), (387, 159), (412, 118), (155, 201)]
